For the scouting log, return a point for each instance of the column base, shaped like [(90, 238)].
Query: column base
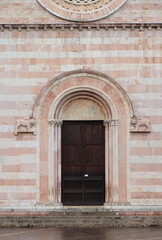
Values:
[(117, 204)]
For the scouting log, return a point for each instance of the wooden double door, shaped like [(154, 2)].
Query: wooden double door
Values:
[(83, 163)]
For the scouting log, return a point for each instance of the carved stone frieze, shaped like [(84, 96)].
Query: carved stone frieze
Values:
[(138, 124), (55, 122), (113, 122), (83, 26), (25, 125)]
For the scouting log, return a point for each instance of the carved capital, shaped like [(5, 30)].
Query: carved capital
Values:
[(106, 123), (113, 122), (139, 124), (55, 122), (25, 125)]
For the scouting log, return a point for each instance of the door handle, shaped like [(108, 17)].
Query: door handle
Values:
[(85, 175)]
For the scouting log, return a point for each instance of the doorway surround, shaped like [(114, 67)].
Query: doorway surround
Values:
[(49, 109)]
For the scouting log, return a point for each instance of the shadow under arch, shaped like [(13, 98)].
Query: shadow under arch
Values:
[(118, 110)]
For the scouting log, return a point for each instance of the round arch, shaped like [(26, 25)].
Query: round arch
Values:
[(70, 94), (117, 109), (47, 89)]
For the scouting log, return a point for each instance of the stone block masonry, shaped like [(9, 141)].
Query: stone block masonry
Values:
[(36, 48), (31, 12), (82, 218)]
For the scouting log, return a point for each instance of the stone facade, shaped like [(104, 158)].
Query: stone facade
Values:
[(46, 63)]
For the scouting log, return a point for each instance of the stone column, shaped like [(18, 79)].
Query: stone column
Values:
[(106, 124), (113, 161), (55, 165)]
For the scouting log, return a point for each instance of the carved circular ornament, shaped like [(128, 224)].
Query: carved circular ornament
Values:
[(82, 10)]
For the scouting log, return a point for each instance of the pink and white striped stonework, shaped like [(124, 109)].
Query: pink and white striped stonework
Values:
[(46, 63)]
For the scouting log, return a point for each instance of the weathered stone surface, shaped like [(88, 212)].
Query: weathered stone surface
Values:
[(82, 219), (44, 68)]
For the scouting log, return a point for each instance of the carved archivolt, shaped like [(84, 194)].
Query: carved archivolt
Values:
[(138, 124), (25, 125), (82, 2), (82, 5), (78, 90), (82, 10)]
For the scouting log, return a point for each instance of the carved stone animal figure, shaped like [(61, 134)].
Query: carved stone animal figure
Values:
[(28, 123), (138, 123)]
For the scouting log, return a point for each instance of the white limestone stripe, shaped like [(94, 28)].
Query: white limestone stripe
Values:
[(146, 96), (145, 81), (14, 160), (152, 111), (106, 67), (12, 113), (145, 159), (65, 68), (18, 189), (121, 66), (35, 81), (156, 127), (146, 202), (29, 202), (147, 189), (19, 175), (138, 175), (12, 97), (6, 128), (17, 144), (85, 54), (119, 39), (138, 13), (146, 143), (22, 82)]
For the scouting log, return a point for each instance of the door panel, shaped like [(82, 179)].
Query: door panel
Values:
[(83, 163)]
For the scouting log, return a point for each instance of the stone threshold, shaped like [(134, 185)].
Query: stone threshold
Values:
[(58, 208)]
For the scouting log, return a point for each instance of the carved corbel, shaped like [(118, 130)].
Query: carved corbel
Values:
[(139, 124), (25, 125)]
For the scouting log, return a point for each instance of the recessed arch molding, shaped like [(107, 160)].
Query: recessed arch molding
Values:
[(117, 110)]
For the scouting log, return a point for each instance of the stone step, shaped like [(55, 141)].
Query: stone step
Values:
[(79, 218)]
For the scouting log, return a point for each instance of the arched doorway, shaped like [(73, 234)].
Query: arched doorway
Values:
[(83, 151), (98, 108), (109, 103)]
